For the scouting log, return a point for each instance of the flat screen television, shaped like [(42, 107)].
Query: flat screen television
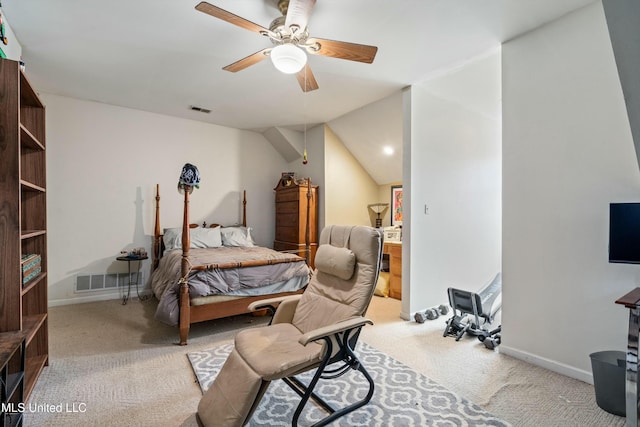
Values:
[(624, 233)]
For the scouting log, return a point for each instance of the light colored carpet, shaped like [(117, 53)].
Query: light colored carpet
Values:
[(122, 368)]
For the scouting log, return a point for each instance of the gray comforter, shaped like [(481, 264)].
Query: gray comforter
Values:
[(261, 280)]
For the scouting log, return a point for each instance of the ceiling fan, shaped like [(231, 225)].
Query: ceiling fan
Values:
[(290, 36)]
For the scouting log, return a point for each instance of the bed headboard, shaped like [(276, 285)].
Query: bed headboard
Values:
[(158, 243)]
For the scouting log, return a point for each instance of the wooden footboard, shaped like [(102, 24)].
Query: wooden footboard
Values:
[(234, 307)]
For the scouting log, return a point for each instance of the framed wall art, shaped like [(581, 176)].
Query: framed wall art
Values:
[(396, 205)]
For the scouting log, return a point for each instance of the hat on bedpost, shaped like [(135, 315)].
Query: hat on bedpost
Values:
[(189, 178)]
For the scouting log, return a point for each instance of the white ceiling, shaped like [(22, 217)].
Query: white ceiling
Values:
[(164, 56)]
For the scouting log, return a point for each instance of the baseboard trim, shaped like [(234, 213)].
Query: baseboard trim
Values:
[(552, 365), (91, 298)]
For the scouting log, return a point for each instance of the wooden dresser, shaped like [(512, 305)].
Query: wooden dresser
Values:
[(394, 250), (291, 217)]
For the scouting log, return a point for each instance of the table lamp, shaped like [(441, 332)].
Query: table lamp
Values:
[(380, 209)]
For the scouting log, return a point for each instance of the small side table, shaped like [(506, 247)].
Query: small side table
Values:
[(632, 404), (129, 259)]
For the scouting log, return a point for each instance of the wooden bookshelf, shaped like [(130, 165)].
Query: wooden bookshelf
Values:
[(12, 377), (23, 217)]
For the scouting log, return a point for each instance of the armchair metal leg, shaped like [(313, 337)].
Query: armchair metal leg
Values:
[(306, 392)]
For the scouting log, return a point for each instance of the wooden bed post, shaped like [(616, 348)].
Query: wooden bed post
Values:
[(307, 236), (156, 233), (185, 320), (244, 208)]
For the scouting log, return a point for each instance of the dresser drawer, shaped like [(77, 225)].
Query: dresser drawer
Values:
[(288, 195), (395, 250), (288, 234), (287, 219), (287, 207)]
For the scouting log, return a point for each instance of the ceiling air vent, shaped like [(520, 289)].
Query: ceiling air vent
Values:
[(200, 109)]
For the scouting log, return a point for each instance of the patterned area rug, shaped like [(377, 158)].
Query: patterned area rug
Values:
[(402, 396)]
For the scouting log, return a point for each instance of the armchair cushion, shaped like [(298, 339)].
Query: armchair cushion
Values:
[(234, 390), (274, 352), (335, 261)]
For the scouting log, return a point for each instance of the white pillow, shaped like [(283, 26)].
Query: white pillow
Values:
[(171, 237), (237, 236), (200, 238), (205, 238)]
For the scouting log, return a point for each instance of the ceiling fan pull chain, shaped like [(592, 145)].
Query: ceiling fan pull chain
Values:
[(304, 108)]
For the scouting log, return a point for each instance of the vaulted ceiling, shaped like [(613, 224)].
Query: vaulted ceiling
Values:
[(164, 56)]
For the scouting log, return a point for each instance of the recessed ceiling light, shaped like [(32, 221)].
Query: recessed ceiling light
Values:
[(388, 150)]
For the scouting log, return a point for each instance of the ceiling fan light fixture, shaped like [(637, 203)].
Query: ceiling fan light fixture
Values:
[(288, 58)]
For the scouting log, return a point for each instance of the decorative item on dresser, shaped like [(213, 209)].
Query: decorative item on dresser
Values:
[(23, 219), (297, 217), (209, 273)]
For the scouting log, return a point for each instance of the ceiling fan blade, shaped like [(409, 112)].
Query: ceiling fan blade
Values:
[(248, 61), (298, 13), (306, 79), (342, 50), (216, 12)]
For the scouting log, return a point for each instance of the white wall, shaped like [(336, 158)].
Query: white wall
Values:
[(345, 188), (314, 168), (103, 164), (367, 130), (567, 153), (452, 155), (348, 186)]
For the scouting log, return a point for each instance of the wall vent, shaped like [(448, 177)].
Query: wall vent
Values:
[(105, 282), (199, 109)]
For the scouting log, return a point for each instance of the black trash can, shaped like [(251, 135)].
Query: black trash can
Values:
[(609, 380)]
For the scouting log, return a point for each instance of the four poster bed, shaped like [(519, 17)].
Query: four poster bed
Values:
[(203, 273)]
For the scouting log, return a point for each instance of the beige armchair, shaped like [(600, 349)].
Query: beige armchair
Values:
[(314, 330)]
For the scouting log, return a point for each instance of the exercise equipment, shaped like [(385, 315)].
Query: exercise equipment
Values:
[(472, 311), (491, 339), (431, 313)]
